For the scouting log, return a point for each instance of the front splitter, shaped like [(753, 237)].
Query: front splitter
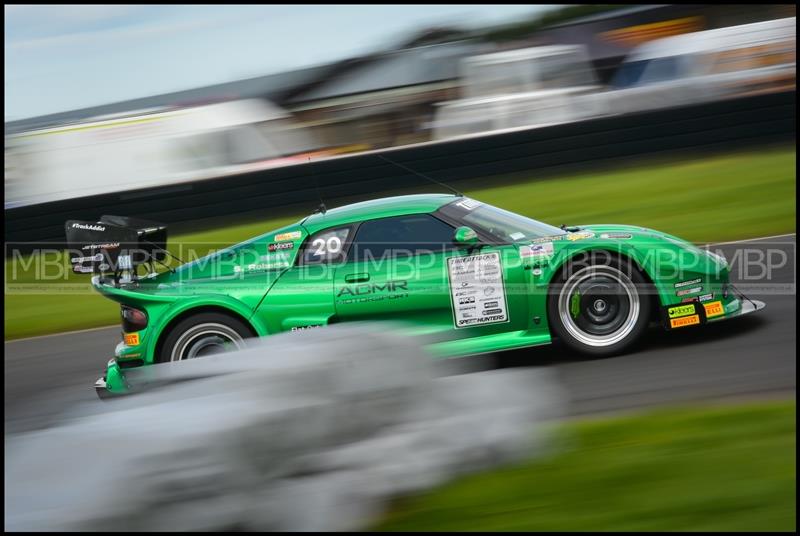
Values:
[(748, 306)]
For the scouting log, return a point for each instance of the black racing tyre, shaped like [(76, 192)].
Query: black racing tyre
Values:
[(599, 304), (203, 334)]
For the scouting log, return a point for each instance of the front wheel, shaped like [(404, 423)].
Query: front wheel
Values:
[(600, 307), (202, 335)]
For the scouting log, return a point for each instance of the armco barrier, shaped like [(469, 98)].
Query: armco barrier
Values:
[(738, 122)]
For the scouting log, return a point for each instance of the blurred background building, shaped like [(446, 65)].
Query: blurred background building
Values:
[(567, 65)]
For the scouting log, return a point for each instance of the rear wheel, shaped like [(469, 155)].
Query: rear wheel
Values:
[(599, 305), (203, 334)]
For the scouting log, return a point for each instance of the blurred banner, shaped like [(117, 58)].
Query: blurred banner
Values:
[(440, 86), (636, 35)]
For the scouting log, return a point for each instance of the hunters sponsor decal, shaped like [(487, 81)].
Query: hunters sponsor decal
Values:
[(681, 310), (684, 292), (481, 277), (714, 309), (579, 236), (537, 250), (687, 283), (132, 339), (278, 246), (283, 237), (684, 321)]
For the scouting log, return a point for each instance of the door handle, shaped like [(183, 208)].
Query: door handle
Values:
[(356, 278)]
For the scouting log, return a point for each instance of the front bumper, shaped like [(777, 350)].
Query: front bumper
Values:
[(746, 306)]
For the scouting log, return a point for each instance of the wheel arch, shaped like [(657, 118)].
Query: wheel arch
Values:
[(623, 256), (187, 313)]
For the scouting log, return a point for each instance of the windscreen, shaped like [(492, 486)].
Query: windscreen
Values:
[(503, 225)]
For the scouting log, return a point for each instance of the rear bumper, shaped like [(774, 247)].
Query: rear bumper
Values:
[(100, 388), (112, 383)]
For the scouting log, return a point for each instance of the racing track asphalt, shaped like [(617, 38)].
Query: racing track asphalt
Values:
[(744, 357)]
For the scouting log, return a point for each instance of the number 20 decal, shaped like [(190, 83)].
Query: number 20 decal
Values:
[(324, 247)]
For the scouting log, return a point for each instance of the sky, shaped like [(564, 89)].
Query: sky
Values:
[(60, 58)]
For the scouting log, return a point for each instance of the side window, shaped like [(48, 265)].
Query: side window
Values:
[(326, 246), (401, 236)]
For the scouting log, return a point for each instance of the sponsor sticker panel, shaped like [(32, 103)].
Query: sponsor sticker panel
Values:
[(543, 250), (684, 321), (131, 339), (685, 314), (476, 290), (283, 237), (279, 246)]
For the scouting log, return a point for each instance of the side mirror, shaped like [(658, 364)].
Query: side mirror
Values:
[(466, 237)]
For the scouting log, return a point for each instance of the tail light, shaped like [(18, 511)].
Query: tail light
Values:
[(132, 319)]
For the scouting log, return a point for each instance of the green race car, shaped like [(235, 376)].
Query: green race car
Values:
[(471, 277)]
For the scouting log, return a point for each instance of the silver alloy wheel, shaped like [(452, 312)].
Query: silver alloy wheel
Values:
[(605, 315), (205, 339)]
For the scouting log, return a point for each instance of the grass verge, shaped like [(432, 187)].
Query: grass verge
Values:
[(699, 198), (700, 469)]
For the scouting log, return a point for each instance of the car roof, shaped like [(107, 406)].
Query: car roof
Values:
[(377, 208)]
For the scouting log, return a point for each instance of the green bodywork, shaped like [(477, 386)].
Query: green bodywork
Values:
[(275, 292)]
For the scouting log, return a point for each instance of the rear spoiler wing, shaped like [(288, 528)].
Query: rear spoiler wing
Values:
[(115, 245)]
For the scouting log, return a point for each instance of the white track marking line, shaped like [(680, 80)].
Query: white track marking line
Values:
[(117, 325), (64, 333), (748, 240)]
